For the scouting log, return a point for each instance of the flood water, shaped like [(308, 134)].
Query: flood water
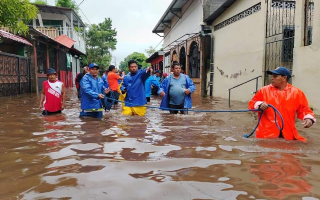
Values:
[(158, 156)]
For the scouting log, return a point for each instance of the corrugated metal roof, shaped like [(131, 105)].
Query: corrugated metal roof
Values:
[(13, 37), (65, 41)]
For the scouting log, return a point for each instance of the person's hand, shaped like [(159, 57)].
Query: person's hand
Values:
[(123, 73), (162, 94), (187, 91), (40, 106), (151, 86), (307, 123), (62, 106), (263, 106), (149, 69), (101, 96), (107, 90)]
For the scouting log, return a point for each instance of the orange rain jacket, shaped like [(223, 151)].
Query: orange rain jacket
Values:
[(289, 102)]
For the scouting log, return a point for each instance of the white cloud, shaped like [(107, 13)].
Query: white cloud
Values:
[(134, 21)]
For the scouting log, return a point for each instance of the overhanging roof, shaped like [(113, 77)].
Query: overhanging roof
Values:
[(173, 10), (219, 11), (154, 56), (65, 41), (61, 10), (13, 37)]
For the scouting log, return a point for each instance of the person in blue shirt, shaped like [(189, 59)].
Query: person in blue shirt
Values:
[(133, 87), (92, 91), (105, 79), (155, 87), (176, 91), (151, 83)]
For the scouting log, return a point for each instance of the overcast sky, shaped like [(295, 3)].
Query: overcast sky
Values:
[(134, 21)]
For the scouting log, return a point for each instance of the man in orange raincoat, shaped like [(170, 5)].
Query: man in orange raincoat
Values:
[(286, 98)]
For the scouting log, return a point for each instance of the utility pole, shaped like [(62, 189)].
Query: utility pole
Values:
[(115, 61)]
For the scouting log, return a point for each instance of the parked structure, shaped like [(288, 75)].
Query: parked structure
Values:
[(251, 37), (185, 40), (156, 61)]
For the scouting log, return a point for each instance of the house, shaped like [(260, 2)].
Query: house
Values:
[(58, 40), (14, 64), (156, 61), (184, 39), (251, 37)]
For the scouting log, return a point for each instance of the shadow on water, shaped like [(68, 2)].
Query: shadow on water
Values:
[(159, 156)]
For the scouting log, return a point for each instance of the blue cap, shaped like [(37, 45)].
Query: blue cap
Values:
[(280, 71), (157, 71), (51, 71), (93, 65)]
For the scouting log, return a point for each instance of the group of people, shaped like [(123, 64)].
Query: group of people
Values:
[(135, 88)]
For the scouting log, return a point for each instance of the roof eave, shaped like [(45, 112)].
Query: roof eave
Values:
[(164, 15), (219, 11)]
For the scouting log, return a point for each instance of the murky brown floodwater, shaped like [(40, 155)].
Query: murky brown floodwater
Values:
[(159, 156)]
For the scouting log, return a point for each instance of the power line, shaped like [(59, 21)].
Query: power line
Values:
[(85, 16)]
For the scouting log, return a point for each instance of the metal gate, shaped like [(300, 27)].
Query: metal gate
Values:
[(14, 75), (280, 29), (194, 61)]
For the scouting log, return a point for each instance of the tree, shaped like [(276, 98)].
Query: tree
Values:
[(40, 2), (67, 4), (101, 40), (139, 57), (17, 14), (150, 51)]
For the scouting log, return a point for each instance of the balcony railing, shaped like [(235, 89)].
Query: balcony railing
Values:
[(55, 31)]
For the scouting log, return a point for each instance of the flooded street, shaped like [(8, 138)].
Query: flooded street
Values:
[(159, 156)]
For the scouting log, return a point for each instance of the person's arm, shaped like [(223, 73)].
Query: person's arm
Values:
[(257, 102), (124, 85), (79, 77), (145, 73), (63, 97), (163, 86), (122, 77), (42, 98), (191, 87), (86, 88), (304, 112)]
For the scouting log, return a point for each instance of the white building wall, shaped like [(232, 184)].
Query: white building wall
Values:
[(239, 51), (189, 23), (306, 59)]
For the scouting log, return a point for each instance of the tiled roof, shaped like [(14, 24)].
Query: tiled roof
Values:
[(13, 37)]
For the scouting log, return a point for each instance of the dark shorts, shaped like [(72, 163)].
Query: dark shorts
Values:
[(182, 111), (148, 99), (154, 90), (45, 112), (116, 96)]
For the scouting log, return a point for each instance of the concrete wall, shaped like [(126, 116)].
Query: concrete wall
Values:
[(239, 51), (307, 58)]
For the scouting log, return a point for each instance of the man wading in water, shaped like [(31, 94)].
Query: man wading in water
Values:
[(176, 90), (289, 100)]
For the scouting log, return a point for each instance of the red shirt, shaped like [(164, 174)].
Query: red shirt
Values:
[(113, 81), (52, 92)]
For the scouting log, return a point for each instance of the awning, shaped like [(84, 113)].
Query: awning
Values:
[(65, 41), (13, 37)]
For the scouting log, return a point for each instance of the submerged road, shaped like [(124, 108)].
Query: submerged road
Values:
[(158, 156)]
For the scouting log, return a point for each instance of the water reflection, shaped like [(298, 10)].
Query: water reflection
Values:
[(159, 156)]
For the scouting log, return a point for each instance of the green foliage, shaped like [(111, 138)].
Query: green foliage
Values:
[(101, 40), (84, 61), (17, 14), (67, 4), (150, 51), (40, 2), (139, 57)]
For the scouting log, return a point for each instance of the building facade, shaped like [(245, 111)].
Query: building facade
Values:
[(252, 37), (181, 26)]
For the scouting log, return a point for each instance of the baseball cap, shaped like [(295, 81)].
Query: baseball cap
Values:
[(157, 71), (280, 71), (51, 71), (93, 65)]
